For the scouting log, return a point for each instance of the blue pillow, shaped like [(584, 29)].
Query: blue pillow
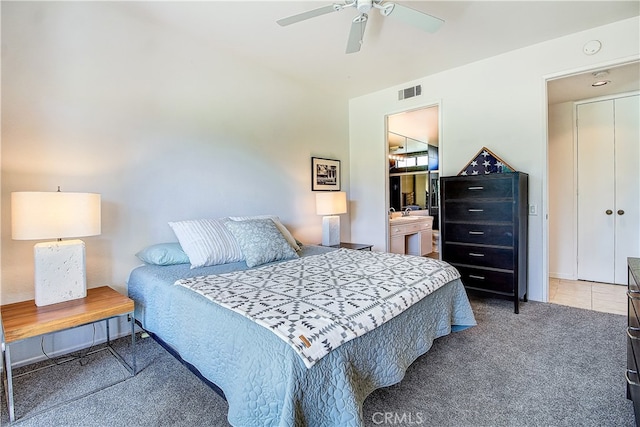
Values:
[(261, 241), (163, 254)]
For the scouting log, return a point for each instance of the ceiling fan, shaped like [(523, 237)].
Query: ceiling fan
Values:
[(410, 16)]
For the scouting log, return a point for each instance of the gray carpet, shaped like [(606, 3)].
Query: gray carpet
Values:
[(547, 366)]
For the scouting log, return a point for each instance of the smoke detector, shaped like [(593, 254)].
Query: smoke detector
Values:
[(592, 47)]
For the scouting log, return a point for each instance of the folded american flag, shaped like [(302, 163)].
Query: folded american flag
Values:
[(485, 162)]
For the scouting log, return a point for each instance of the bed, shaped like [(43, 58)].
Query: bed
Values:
[(267, 380)]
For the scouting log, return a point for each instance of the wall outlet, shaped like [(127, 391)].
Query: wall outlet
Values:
[(533, 209)]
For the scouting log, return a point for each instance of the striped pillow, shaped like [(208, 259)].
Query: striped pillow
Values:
[(207, 242)]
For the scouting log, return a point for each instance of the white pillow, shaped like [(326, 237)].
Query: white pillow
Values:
[(287, 235), (207, 242)]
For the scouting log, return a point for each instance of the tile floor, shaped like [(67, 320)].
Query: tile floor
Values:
[(590, 295)]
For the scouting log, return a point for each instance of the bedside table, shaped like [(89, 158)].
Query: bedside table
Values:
[(355, 246), (24, 320)]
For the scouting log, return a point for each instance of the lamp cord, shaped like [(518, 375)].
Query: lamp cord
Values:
[(79, 355)]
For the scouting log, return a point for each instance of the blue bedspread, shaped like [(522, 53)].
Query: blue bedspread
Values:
[(264, 380)]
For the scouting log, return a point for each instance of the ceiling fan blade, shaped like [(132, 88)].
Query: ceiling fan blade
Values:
[(308, 15), (357, 33), (413, 17)]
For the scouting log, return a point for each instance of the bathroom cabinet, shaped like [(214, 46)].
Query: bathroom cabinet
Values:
[(411, 235)]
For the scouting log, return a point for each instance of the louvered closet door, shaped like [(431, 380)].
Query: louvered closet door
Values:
[(608, 188)]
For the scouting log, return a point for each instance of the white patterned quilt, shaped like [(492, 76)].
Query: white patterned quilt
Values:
[(319, 302)]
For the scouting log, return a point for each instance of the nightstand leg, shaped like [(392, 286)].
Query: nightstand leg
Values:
[(133, 344), (129, 367), (8, 384)]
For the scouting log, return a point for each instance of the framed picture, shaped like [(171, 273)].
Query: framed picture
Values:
[(325, 174)]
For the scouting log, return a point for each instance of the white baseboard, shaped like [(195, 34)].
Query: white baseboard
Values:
[(562, 276)]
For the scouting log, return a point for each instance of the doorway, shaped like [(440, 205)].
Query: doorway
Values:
[(563, 94), (413, 139)]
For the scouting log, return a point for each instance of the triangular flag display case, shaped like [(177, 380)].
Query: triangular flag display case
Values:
[(484, 163)]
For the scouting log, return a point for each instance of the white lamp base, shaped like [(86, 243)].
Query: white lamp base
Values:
[(59, 271), (330, 230)]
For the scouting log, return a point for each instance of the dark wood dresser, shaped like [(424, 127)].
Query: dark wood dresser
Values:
[(484, 230), (633, 336)]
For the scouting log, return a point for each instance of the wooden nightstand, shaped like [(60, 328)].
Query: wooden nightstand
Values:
[(24, 320), (356, 246)]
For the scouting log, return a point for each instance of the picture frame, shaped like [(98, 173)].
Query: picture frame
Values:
[(325, 174)]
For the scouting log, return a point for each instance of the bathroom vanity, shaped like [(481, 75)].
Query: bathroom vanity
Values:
[(411, 235)]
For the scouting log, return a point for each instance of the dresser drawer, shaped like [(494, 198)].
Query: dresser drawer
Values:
[(633, 392), (633, 349), (488, 234), (633, 318), (487, 279), (474, 188), (478, 255), (408, 228), (479, 210)]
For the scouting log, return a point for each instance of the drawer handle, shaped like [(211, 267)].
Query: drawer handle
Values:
[(477, 232), (633, 295), (476, 210), (476, 188), (473, 276), (626, 374), (475, 254), (630, 335)]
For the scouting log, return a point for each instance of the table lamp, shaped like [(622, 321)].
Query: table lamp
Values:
[(331, 204), (60, 273)]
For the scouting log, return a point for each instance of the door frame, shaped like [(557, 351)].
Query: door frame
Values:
[(545, 170)]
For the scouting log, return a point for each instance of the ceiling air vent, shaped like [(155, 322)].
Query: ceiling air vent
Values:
[(409, 92)]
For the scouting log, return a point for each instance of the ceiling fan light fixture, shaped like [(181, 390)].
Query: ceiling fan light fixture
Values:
[(406, 14), (364, 6), (386, 9)]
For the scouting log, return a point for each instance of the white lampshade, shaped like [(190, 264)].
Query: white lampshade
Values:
[(60, 271), (331, 203), (37, 215)]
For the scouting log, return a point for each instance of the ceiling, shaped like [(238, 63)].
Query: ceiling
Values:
[(624, 78), (312, 51), (411, 130), (393, 52)]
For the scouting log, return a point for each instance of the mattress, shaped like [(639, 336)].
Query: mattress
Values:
[(263, 379)]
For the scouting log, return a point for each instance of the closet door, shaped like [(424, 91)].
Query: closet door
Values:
[(596, 191), (627, 182), (608, 188)]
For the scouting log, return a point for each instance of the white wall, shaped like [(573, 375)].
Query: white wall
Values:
[(562, 209), (162, 125), (499, 103)]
